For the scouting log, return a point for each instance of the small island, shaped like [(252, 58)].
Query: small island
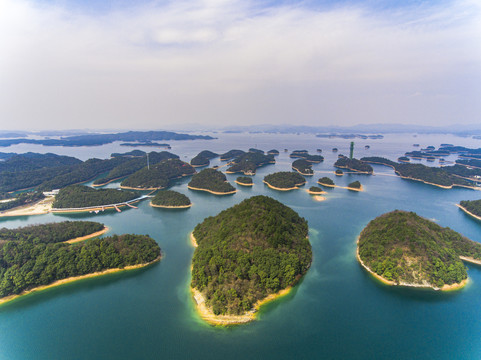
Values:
[(284, 180), (45, 258), (247, 255), (203, 158), (211, 181), (244, 181), (355, 186), (471, 207), (273, 152), (315, 190), (402, 248), (303, 167), (326, 181), (339, 172), (354, 165), (170, 199)]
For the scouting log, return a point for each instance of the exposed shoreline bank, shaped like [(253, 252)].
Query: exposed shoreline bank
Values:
[(86, 237), (171, 206), (468, 212), (212, 192), (283, 189)]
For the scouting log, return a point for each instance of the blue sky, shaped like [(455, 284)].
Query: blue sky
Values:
[(165, 64)]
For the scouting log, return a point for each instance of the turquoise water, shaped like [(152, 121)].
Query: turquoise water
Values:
[(338, 311)]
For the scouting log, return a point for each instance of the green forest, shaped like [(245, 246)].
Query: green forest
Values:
[(326, 181), (203, 158), (247, 252), (245, 180), (79, 196), (211, 179), (285, 179), (473, 206), (406, 248), (25, 264), (170, 198), (231, 154), (249, 162), (353, 164), (315, 189), (302, 166), (355, 185)]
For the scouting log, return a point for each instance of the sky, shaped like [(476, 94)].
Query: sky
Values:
[(71, 64)]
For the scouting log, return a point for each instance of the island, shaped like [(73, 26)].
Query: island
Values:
[(326, 181), (303, 154), (170, 199), (158, 176), (248, 163), (203, 158), (471, 207), (355, 186), (354, 165), (273, 152), (303, 167), (298, 154), (211, 181), (339, 172), (247, 255), (402, 248), (284, 180), (315, 190), (45, 259), (244, 181), (231, 154)]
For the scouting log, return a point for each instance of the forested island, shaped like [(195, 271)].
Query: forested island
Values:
[(80, 196), (354, 165), (315, 190), (471, 207), (231, 154), (273, 152), (402, 248), (130, 154), (284, 180), (303, 167), (303, 154), (326, 181), (32, 259), (203, 158), (247, 255), (339, 172), (248, 163), (158, 176), (171, 200), (212, 181), (355, 186), (244, 181)]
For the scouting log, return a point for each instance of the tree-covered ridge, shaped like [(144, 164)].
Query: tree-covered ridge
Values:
[(129, 167), (22, 199), (463, 171), (244, 180), (285, 179), (211, 180), (231, 154), (203, 158), (273, 152), (52, 232), (303, 166), (133, 153), (473, 206), (25, 265), (326, 181), (159, 175), (405, 248), (247, 252), (303, 154), (248, 163), (315, 190), (80, 196), (170, 198), (32, 161), (354, 185), (353, 164)]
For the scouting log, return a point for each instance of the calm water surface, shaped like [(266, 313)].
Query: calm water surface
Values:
[(337, 312)]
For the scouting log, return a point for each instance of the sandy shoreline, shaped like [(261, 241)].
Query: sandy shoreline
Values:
[(86, 237), (468, 212), (282, 189), (76, 278), (171, 207), (316, 192), (300, 172), (212, 192), (326, 185), (446, 287), (94, 208), (41, 207)]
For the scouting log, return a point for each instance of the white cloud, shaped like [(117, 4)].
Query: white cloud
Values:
[(222, 62)]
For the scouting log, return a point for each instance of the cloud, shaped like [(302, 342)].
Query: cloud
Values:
[(225, 62)]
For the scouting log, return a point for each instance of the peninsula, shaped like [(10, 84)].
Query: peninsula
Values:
[(284, 180), (170, 199), (211, 181), (402, 248), (247, 255)]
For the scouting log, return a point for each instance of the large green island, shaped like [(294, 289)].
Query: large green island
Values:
[(170, 199), (41, 256), (245, 256), (211, 181), (284, 180), (402, 248)]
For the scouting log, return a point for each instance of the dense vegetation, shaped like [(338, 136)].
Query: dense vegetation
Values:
[(231, 154), (247, 252), (273, 152), (463, 171), (244, 180), (379, 160), (354, 185), (21, 200), (159, 175), (303, 154), (25, 264), (325, 181), (34, 161), (339, 172), (298, 154), (248, 163), (303, 166), (170, 198), (473, 206), (129, 167), (79, 196), (315, 189), (254, 150), (470, 162), (353, 164), (406, 248), (285, 179), (203, 158), (211, 180), (52, 232), (133, 153)]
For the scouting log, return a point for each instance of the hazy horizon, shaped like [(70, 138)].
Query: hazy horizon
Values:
[(170, 64)]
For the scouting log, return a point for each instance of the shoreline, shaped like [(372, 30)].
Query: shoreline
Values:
[(141, 189), (86, 237), (212, 192), (446, 287), (110, 181), (468, 212), (327, 185), (76, 278), (95, 208), (316, 192), (283, 189), (243, 184), (171, 206), (300, 172), (354, 170), (440, 186), (41, 207)]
